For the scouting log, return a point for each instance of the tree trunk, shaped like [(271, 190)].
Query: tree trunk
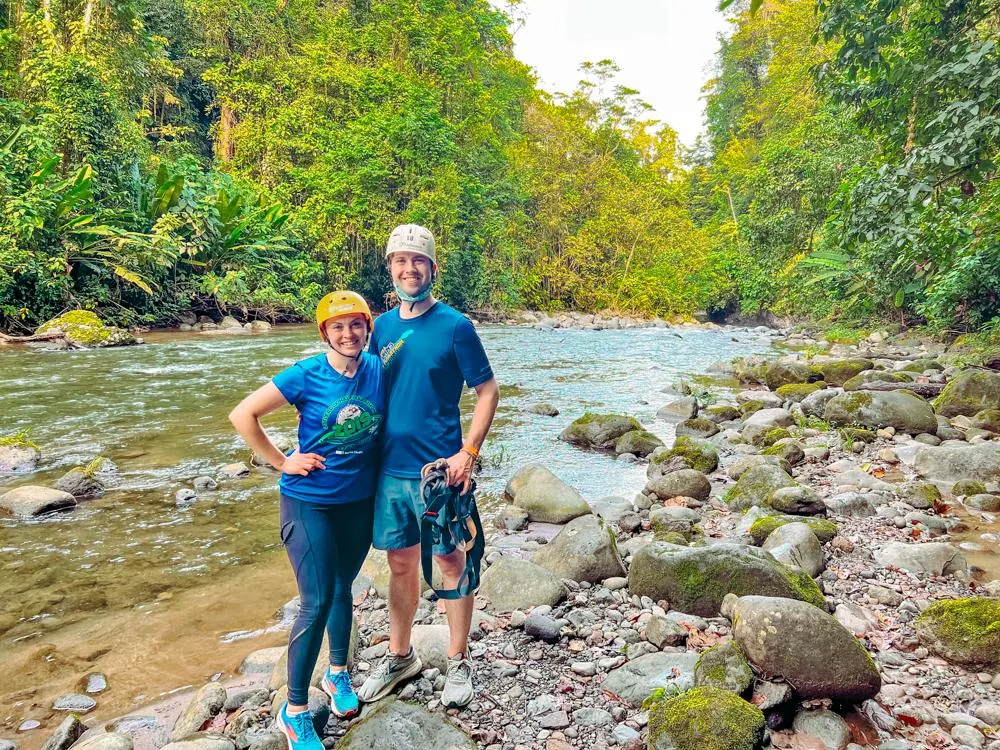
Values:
[(226, 147)]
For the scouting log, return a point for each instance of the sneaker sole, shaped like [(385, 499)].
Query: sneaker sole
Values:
[(459, 704), (411, 671), (333, 709), (284, 730)]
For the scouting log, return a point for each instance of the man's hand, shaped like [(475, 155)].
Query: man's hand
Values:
[(303, 463), (460, 470)]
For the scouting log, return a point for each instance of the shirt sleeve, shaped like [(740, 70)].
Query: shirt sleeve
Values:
[(373, 346), (472, 359), (291, 383)]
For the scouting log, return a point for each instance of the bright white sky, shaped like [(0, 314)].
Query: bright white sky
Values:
[(663, 47)]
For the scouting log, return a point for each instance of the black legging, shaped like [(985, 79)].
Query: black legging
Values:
[(326, 545)]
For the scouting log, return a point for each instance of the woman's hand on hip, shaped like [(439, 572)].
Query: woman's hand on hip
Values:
[(303, 463)]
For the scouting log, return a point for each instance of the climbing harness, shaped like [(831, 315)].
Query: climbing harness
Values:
[(451, 519)]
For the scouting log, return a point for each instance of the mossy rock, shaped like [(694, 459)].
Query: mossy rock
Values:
[(705, 718), (84, 328), (857, 435), (696, 453), (873, 376), (921, 495), (922, 365), (968, 487), (789, 450), (725, 667), (697, 427), (670, 537), (838, 372), (772, 436), (987, 419), (964, 631), (969, 393), (751, 407), (902, 410), (795, 392), (638, 442), (750, 369), (823, 528), (696, 579), (786, 373), (755, 485), (721, 413), (599, 431)]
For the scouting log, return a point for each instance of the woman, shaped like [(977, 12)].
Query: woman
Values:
[(326, 488)]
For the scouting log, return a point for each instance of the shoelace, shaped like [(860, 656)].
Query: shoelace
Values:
[(302, 725), (341, 681), (459, 671), (382, 670)]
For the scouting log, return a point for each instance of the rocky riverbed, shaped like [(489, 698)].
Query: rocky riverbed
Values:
[(812, 564)]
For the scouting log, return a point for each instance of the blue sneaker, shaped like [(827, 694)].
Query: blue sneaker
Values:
[(298, 730), (343, 701)]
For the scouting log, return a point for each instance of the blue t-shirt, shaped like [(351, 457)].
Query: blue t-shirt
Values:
[(341, 419), (426, 361)]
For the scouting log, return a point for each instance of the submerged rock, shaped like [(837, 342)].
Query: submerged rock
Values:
[(696, 579), (17, 458), (803, 645), (545, 496), (80, 484)]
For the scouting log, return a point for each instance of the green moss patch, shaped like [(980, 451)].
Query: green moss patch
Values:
[(966, 631), (22, 439), (772, 436), (749, 407), (706, 718), (84, 328), (968, 487), (721, 413), (696, 453), (798, 391), (823, 528)]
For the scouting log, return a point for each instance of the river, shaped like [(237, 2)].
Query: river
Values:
[(150, 591)]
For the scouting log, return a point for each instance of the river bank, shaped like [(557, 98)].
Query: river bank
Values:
[(577, 674)]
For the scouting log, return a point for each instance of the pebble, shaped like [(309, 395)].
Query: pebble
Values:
[(585, 668), (543, 627), (592, 717), (96, 682), (75, 702), (555, 720)]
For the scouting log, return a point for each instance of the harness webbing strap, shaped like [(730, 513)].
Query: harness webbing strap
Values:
[(450, 519)]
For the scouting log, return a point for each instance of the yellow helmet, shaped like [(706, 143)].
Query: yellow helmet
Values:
[(339, 303)]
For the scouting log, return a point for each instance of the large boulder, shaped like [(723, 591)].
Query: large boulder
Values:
[(696, 579), (584, 550), (778, 374), (756, 485), (638, 442), (514, 583), (796, 544), (31, 500), (84, 328), (931, 558), (965, 631), (598, 431), (545, 496), (838, 372), (902, 410), (803, 645), (705, 718), (637, 679), (684, 483), (695, 453), (946, 464), (969, 392), (395, 725)]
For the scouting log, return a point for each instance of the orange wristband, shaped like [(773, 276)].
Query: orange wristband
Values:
[(471, 450)]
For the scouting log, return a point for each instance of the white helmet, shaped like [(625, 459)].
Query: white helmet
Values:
[(411, 238)]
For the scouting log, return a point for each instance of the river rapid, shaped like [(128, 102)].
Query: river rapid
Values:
[(155, 593)]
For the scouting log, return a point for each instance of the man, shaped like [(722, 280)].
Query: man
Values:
[(429, 351)]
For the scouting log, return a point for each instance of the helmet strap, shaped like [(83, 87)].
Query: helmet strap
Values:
[(420, 296)]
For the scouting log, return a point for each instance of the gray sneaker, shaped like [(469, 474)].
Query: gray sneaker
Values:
[(387, 675), (458, 684)]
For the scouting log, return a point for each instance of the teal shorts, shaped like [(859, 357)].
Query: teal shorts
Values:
[(398, 510)]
